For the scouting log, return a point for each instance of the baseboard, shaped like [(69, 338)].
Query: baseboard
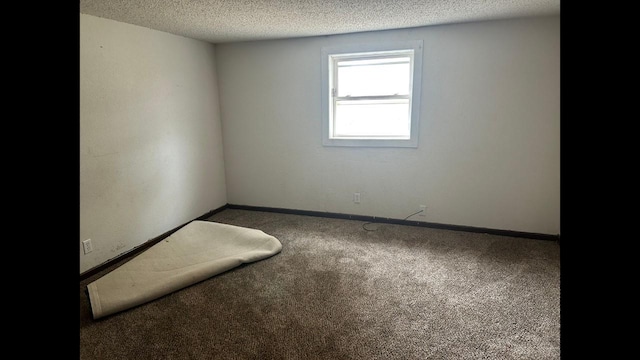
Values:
[(372, 219), (140, 248), (511, 233)]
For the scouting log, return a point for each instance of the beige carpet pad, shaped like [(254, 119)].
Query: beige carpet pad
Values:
[(196, 252)]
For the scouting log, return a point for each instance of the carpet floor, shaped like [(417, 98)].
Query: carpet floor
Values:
[(337, 291)]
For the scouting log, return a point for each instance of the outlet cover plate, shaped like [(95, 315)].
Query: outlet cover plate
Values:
[(424, 210), (87, 246)]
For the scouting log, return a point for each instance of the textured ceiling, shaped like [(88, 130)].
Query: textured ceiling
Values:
[(219, 21)]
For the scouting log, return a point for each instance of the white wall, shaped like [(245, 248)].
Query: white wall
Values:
[(489, 147), (150, 135)]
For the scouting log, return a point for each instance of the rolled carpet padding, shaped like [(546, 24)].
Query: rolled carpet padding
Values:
[(197, 251)]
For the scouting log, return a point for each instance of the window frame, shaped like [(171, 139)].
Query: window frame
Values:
[(332, 54)]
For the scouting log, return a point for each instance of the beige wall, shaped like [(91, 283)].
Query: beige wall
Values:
[(150, 135), (151, 129), (489, 147)]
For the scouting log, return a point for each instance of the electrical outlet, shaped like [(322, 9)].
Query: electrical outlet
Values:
[(356, 198), (423, 209), (87, 246)]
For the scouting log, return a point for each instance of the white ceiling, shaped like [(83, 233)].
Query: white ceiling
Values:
[(220, 21)]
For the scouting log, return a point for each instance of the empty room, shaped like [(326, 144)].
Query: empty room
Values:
[(275, 179)]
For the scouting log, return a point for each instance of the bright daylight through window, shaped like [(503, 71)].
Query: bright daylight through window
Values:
[(371, 94)]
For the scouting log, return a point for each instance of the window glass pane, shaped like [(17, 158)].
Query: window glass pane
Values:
[(374, 77), (372, 118)]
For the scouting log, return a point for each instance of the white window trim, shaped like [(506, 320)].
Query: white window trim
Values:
[(416, 82)]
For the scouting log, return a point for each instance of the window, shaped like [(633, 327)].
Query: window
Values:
[(371, 94)]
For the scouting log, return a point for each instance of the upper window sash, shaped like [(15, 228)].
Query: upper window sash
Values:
[(392, 60)]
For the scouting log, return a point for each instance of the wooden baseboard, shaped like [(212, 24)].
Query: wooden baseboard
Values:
[(374, 219), (140, 248)]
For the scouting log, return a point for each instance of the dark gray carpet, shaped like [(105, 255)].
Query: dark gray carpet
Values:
[(337, 291)]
